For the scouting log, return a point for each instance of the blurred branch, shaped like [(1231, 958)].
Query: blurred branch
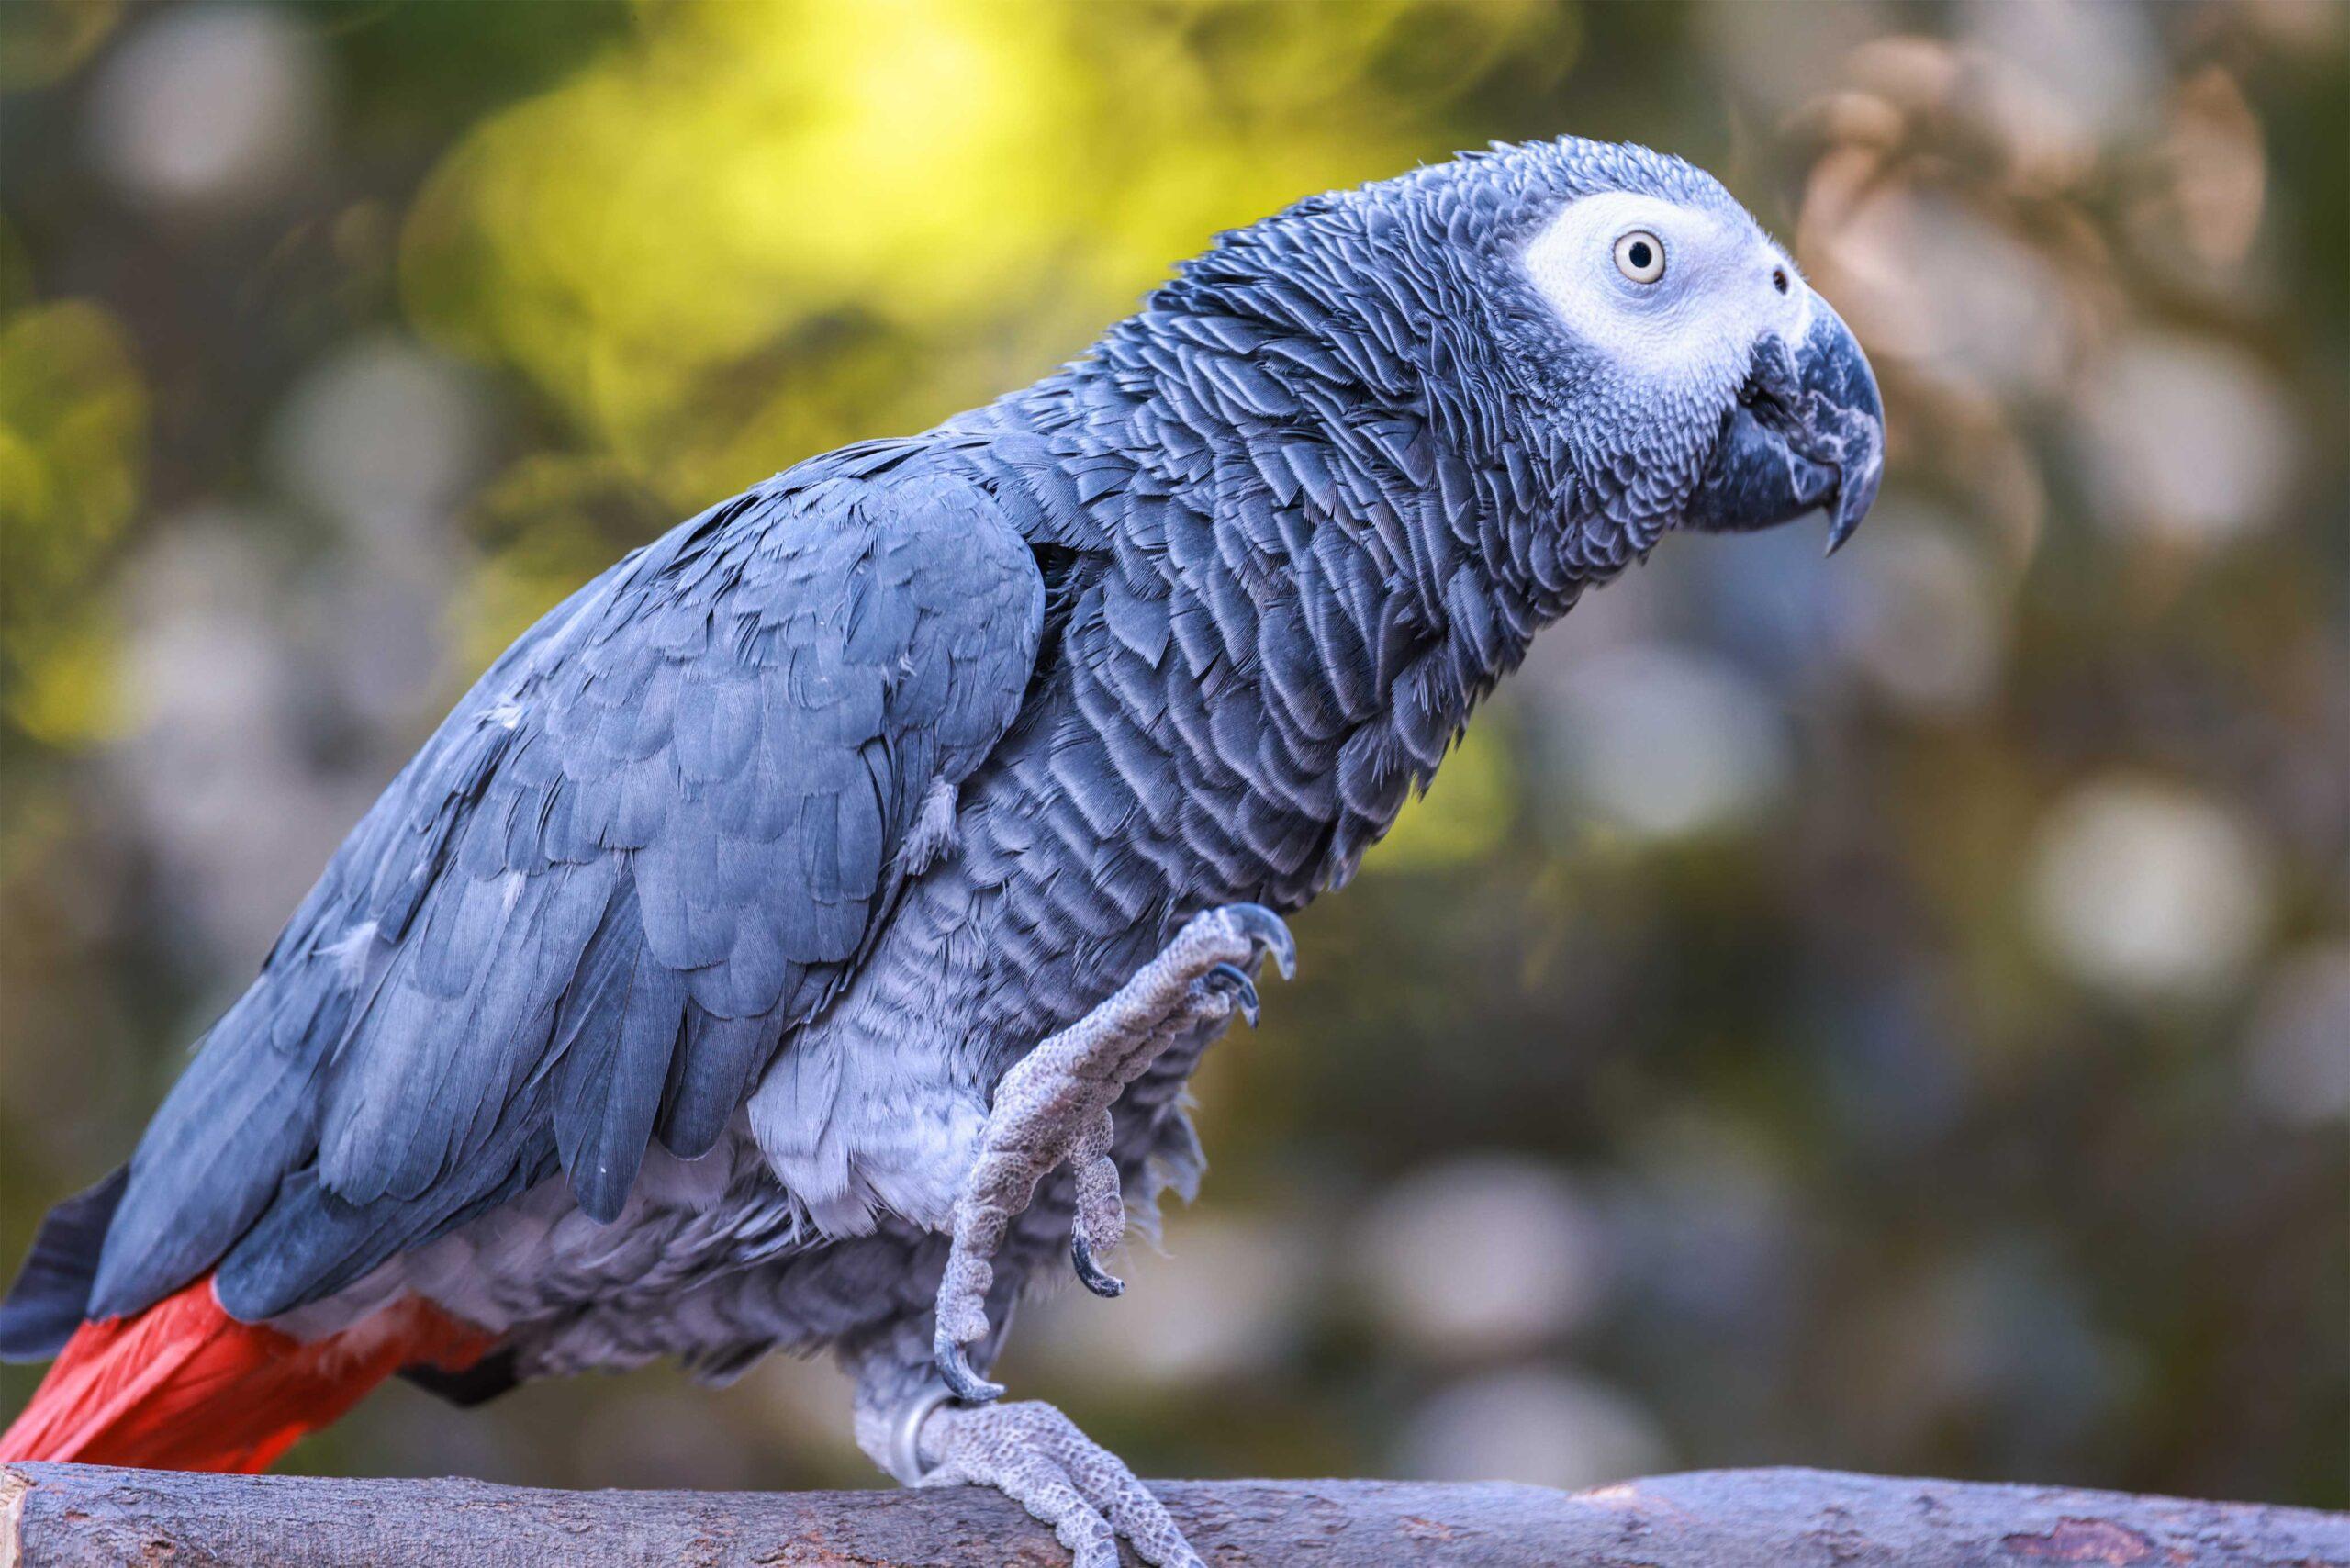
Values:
[(65, 1516)]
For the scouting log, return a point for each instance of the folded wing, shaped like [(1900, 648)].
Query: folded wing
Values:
[(645, 847)]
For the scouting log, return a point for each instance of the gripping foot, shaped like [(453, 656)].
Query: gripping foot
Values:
[(1036, 1456), (1053, 1108)]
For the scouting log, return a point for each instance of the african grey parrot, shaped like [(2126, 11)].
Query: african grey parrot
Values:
[(806, 930)]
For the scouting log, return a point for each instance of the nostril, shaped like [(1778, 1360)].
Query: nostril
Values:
[(1779, 279)]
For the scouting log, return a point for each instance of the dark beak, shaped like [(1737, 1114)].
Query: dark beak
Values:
[(1808, 431)]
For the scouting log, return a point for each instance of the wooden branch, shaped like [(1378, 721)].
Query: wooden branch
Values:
[(67, 1516)]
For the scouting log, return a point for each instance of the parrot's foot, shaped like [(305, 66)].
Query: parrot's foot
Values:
[(1036, 1456), (1053, 1108)]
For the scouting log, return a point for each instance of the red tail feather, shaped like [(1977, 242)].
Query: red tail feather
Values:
[(185, 1386)]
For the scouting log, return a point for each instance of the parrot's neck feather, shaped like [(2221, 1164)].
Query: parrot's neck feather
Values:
[(1274, 491)]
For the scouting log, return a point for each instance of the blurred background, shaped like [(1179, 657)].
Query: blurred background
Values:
[(1896, 1017)]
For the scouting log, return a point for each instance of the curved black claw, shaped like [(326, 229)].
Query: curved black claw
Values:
[(1098, 1279), (954, 1362), (1269, 931), (1233, 978)]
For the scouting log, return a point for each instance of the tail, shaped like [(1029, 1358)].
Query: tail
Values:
[(183, 1386)]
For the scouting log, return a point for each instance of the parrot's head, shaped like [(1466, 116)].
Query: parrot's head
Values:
[(1603, 327), (1678, 355)]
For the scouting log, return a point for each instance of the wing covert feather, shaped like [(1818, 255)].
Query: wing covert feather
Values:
[(649, 843)]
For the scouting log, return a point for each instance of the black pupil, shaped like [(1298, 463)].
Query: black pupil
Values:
[(1638, 255), (1779, 278)]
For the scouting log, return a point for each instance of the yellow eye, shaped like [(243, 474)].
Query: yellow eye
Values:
[(1639, 256)]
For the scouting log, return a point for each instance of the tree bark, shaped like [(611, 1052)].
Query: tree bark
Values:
[(67, 1516)]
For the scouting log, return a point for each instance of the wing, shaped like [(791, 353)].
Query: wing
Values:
[(650, 843)]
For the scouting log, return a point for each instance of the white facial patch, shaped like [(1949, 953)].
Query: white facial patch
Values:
[(1701, 317)]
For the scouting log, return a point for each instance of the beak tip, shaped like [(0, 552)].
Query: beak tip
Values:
[(1855, 494), (1807, 434), (1845, 520)]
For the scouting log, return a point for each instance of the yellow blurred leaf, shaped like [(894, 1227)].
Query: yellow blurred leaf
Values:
[(1468, 808), (72, 435), (41, 41), (540, 522), (764, 227), (68, 694)]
